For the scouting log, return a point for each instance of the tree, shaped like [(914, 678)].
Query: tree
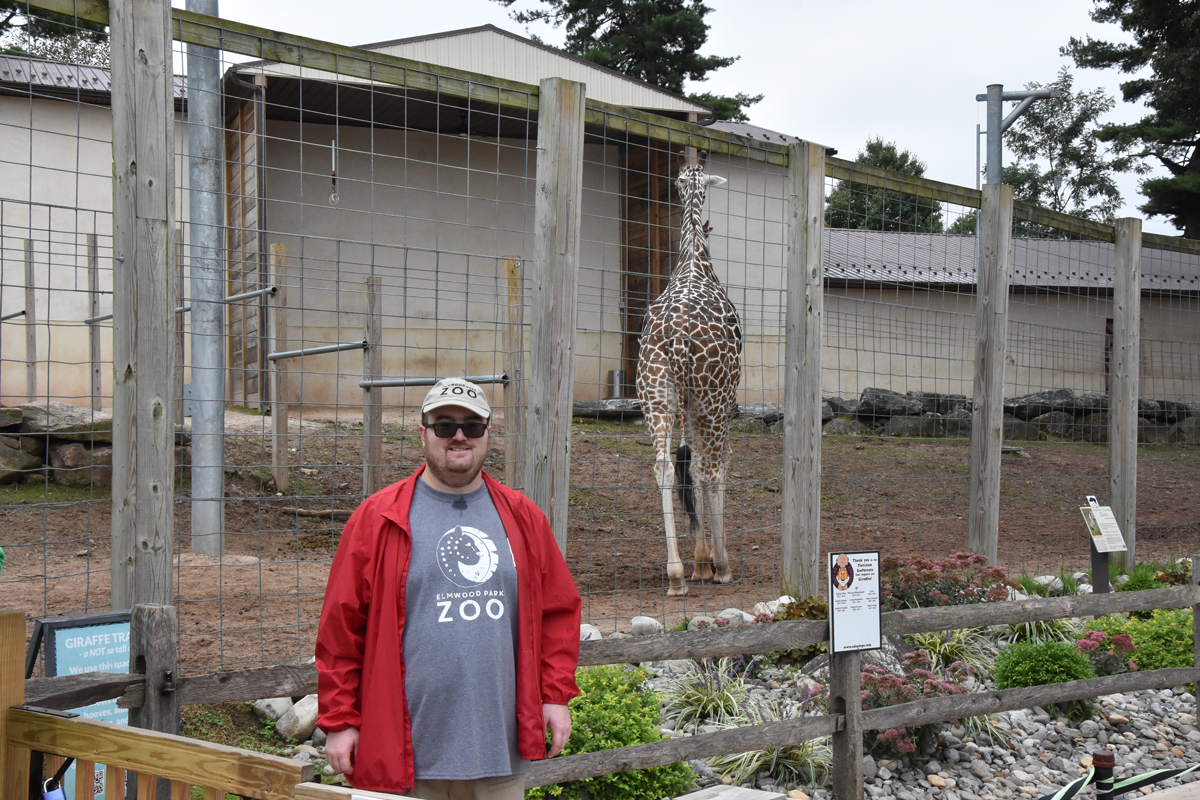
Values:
[(657, 41), (856, 205), (1060, 163), (50, 35), (1166, 36)]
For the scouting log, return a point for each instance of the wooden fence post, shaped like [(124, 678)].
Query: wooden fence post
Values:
[(373, 370), (15, 760), (802, 373), (1123, 384), (278, 322), (991, 328), (31, 371), (152, 653), (143, 125), (93, 263), (514, 368), (555, 279), (845, 698)]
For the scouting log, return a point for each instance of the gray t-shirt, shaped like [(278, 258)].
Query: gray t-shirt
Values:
[(460, 638)]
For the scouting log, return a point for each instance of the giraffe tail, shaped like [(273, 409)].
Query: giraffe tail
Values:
[(685, 487)]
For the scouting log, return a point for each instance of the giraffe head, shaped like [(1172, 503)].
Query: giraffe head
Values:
[(693, 181)]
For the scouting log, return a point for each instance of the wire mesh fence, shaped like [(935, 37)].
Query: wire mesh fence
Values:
[(377, 228)]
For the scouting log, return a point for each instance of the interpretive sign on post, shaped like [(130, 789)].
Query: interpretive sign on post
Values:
[(1103, 527), (85, 643), (854, 609)]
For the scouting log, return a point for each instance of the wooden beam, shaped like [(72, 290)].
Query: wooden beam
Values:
[(14, 759), (516, 390), (801, 518), (846, 744), (1123, 386), (991, 328), (143, 126), (277, 312), (76, 691), (555, 278), (31, 370), (372, 397), (152, 753)]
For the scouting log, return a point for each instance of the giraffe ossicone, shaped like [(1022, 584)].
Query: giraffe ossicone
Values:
[(689, 367)]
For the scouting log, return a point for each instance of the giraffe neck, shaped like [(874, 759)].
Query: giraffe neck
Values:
[(694, 262)]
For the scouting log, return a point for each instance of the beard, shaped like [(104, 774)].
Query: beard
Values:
[(458, 471)]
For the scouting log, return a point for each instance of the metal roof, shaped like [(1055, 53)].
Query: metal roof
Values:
[(935, 258), (57, 78), (754, 131)]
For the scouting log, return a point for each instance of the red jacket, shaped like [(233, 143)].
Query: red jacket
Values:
[(360, 659)]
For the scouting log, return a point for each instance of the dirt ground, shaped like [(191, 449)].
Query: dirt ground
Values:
[(260, 603)]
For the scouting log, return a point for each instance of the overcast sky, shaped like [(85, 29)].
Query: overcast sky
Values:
[(834, 73)]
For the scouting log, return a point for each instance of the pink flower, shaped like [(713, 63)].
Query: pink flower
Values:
[(1123, 643)]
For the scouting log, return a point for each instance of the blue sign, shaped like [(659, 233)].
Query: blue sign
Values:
[(89, 643)]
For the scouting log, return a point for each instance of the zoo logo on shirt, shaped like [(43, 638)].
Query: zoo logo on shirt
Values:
[(468, 558)]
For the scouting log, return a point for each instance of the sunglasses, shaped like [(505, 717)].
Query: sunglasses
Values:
[(446, 430)]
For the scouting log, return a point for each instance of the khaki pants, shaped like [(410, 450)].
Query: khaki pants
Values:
[(505, 787)]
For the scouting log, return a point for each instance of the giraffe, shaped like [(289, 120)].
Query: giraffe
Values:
[(689, 365)]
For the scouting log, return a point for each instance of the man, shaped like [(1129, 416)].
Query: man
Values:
[(449, 635)]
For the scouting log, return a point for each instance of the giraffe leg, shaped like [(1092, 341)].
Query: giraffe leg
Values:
[(702, 565), (714, 501), (664, 475)]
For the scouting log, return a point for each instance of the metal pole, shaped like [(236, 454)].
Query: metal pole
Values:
[(207, 216), (995, 132)]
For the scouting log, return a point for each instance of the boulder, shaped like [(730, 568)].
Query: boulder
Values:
[(15, 464), (34, 445), (1016, 430), (958, 421), (645, 626), (65, 421), (1093, 428), (841, 406), (272, 708), (589, 633), (1089, 403), (299, 721), (768, 413), (1172, 411), (1034, 405), (926, 426), (735, 616), (1056, 424), (700, 622), (844, 426), (826, 412), (1151, 431), (1187, 432), (618, 409), (10, 416), (938, 403), (75, 465), (875, 403)]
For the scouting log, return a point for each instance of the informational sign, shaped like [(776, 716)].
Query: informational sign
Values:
[(855, 621), (86, 643), (1103, 527)]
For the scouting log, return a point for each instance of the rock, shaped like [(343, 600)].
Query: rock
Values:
[(589, 633), (844, 426), (272, 708), (735, 615), (1016, 430), (771, 606), (884, 404), (1051, 582), (1088, 729), (65, 421), (1085, 588), (869, 768), (1056, 424), (840, 405), (1093, 428), (1186, 432), (980, 769), (15, 464), (10, 416), (34, 445), (924, 427), (696, 623), (307, 749), (931, 767), (826, 414), (937, 403), (318, 737), (937, 780), (617, 408), (767, 413), (619, 635), (1034, 405), (1117, 719), (1150, 432), (796, 794), (958, 422), (645, 626), (952, 755), (703, 771), (75, 465), (299, 720)]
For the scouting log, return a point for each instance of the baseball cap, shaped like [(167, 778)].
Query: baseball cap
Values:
[(457, 392)]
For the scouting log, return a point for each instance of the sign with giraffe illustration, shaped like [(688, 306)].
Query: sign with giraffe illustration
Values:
[(855, 615)]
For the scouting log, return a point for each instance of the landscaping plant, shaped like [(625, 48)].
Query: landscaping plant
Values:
[(616, 708), (1163, 640), (710, 690), (968, 645), (812, 607), (1107, 653), (1031, 663), (803, 763), (1041, 630), (918, 582)]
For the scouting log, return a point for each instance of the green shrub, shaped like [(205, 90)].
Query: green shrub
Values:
[(1164, 640), (1141, 578), (802, 763), (810, 608), (1032, 663), (1041, 630), (708, 690), (616, 709)]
